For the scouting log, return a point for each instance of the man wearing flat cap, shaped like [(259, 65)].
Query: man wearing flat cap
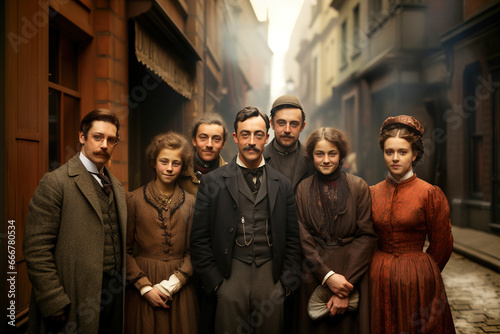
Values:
[(284, 153)]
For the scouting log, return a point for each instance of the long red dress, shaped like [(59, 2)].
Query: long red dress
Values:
[(408, 294)]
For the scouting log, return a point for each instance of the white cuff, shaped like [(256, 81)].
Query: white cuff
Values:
[(172, 285), (163, 290), (145, 289), (327, 276)]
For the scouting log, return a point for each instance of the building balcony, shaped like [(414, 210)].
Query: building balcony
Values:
[(390, 39), (399, 30)]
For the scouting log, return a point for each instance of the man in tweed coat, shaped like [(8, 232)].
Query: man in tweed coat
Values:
[(74, 238)]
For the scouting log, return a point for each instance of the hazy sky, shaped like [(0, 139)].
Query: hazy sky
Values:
[(282, 16)]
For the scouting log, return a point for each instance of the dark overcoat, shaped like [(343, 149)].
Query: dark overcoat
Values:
[(302, 166), (216, 216), (64, 247), (353, 230)]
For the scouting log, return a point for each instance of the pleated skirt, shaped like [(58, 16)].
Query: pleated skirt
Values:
[(408, 295)]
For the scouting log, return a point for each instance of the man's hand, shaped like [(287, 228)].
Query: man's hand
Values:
[(56, 322), (339, 285), (156, 298), (337, 305)]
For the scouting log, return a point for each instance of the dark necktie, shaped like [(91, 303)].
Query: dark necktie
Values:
[(249, 174), (106, 182)]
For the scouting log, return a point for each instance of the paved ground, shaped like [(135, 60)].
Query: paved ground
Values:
[(474, 295)]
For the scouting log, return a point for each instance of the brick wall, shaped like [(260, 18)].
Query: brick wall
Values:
[(111, 74)]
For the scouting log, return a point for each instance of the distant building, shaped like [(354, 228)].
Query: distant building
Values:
[(246, 63), (435, 60), (311, 65)]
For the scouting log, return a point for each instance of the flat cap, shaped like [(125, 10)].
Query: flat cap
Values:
[(286, 101)]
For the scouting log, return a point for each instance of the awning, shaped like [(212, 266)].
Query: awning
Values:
[(162, 62)]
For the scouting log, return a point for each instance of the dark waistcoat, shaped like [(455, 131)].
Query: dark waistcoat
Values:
[(112, 259), (253, 234)]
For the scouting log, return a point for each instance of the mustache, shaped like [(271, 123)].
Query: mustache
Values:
[(251, 148), (104, 153), (287, 136)]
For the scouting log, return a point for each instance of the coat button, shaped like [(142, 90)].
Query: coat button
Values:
[(226, 251), (234, 206), (231, 230)]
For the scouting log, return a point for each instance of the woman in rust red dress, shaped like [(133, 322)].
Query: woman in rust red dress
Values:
[(160, 298), (408, 294), (337, 238)]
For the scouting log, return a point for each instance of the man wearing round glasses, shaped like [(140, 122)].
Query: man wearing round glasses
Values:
[(74, 242), (98, 144)]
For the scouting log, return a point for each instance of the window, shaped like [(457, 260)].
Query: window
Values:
[(473, 122), (375, 6), (343, 48), (328, 61), (355, 32), (213, 21), (314, 79), (316, 7), (495, 113), (64, 97), (351, 121)]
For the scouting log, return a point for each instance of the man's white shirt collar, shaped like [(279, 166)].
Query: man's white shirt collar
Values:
[(91, 167), (241, 164)]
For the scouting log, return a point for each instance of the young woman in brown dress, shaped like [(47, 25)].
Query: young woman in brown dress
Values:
[(336, 235), (408, 294), (160, 298)]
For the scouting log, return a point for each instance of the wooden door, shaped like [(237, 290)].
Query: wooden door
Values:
[(26, 58)]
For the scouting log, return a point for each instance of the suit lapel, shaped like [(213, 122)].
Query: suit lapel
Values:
[(272, 188), (244, 189), (231, 180), (83, 180), (263, 189)]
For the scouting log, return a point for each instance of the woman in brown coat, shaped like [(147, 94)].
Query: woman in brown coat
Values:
[(158, 260), (337, 237)]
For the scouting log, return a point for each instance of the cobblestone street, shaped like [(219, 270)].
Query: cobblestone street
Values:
[(474, 295)]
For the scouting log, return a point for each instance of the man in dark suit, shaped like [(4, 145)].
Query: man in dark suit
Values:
[(245, 238), (75, 236)]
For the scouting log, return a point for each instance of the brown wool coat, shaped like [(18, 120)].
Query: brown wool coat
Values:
[(351, 260), (64, 245)]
